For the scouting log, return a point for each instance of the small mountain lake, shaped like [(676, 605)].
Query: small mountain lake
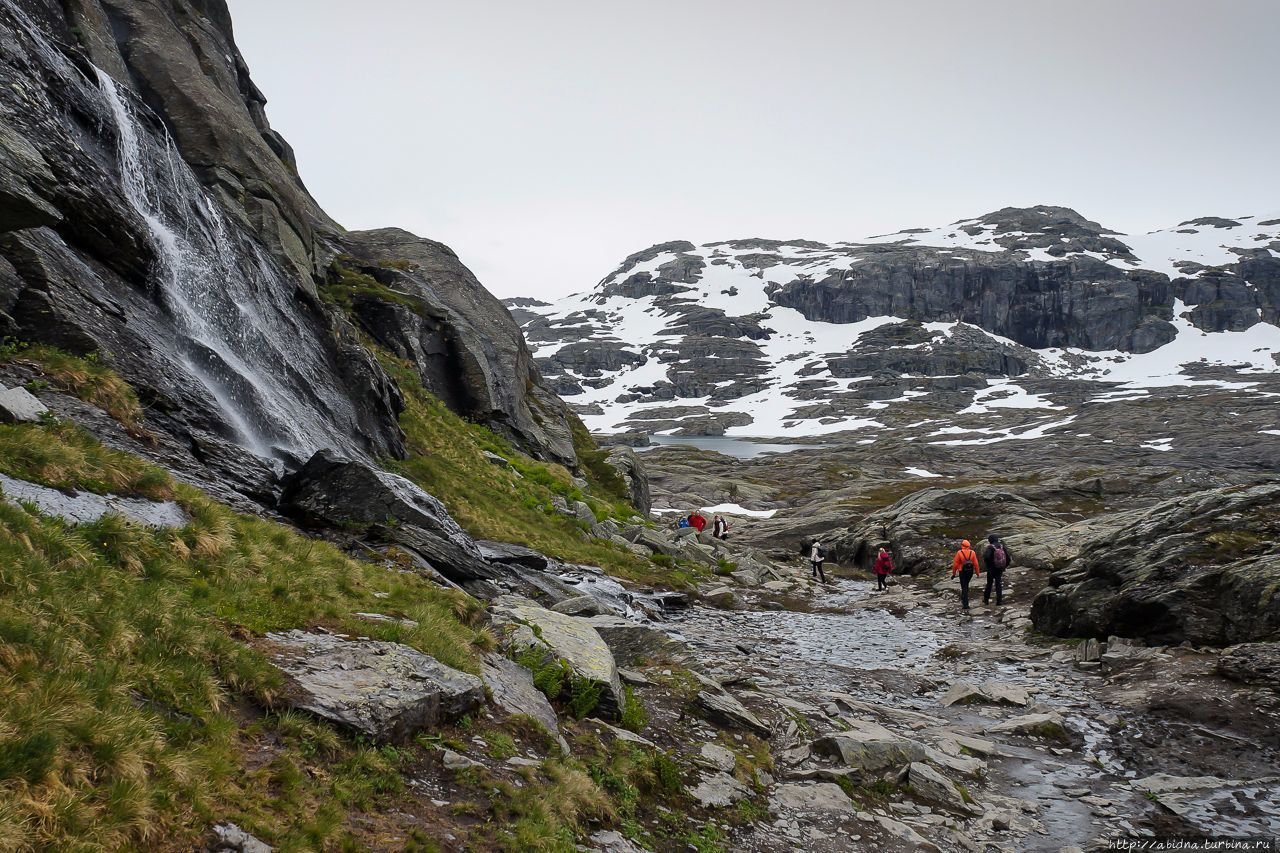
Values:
[(739, 448)]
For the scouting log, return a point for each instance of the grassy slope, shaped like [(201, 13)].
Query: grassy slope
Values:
[(133, 713), (123, 688), (446, 457)]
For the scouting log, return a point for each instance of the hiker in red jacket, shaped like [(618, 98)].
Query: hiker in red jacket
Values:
[(883, 568), (966, 565), (699, 521)]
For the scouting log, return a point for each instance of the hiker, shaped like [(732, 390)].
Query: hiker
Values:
[(683, 522), (699, 521), (966, 566), (818, 554), (995, 559), (883, 568), (720, 528)]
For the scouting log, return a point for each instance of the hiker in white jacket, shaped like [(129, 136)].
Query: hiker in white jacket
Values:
[(817, 554)]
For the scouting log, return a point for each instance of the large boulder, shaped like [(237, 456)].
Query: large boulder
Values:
[(508, 554), (582, 605), (655, 541), (633, 643), (386, 691), (925, 528), (931, 786), (719, 790), (334, 492), (18, 406), (556, 636), (1204, 568), (719, 707), (792, 797), (1042, 724), (991, 692), (512, 689), (627, 463), (1252, 663)]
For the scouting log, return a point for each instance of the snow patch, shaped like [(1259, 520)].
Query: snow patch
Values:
[(735, 509)]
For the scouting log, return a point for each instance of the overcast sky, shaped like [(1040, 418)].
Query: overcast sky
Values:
[(545, 141)]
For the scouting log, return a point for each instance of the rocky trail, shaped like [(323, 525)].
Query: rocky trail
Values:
[(941, 732)]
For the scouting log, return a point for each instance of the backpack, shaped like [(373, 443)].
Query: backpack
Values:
[(822, 553), (970, 561), (999, 557)]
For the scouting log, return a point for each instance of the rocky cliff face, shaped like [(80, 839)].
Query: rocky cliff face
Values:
[(774, 337), (152, 217), (1200, 568)]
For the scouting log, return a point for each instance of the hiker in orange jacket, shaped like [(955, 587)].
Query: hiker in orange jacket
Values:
[(967, 566)]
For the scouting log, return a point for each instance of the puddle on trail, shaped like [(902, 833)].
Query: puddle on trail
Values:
[(813, 651), (865, 639)]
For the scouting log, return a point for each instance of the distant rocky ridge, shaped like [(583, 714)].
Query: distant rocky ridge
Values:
[(794, 337), (151, 216)]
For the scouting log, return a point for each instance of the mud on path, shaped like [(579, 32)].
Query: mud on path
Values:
[(1046, 756)]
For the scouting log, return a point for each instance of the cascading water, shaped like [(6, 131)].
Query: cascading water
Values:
[(263, 359), (242, 351)]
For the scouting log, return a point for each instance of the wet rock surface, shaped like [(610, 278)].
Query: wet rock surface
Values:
[(83, 507), (1045, 760)]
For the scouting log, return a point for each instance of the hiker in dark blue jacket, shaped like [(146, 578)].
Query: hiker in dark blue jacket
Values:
[(995, 559)]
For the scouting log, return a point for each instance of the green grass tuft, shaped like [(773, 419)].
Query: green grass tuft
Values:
[(85, 377), (634, 715)]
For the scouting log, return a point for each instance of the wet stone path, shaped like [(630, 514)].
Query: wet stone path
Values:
[(1040, 767)]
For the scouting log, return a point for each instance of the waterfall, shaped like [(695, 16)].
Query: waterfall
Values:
[(228, 301), (260, 355)]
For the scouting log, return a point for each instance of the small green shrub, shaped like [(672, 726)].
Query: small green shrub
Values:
[(584, 696), (634, 715), (667, 772), (501, 745)]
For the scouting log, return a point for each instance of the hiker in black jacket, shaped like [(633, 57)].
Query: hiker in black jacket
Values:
[(995, 559)]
